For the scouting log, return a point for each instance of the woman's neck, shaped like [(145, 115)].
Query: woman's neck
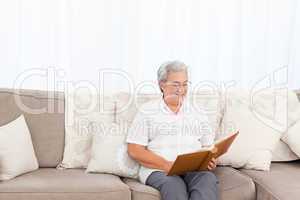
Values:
[(174, 105)]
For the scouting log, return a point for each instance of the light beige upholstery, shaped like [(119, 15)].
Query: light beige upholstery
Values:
[(282, 182), (73, 184), (47, 128), (140, 191)]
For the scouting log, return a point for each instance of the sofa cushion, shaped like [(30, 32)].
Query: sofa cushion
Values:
[(109, 152), (82, 107), (51, 183), (16, 150), (280, 183), (140, 191), (256, 120), (233, 185), (46, 125), (282, 152), (292, 138)]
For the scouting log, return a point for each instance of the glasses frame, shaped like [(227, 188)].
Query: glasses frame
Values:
[(177, 85)]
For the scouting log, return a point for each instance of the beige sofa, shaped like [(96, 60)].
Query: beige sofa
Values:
[(47, 129)]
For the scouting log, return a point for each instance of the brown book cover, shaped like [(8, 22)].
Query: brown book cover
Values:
[(198, 161)]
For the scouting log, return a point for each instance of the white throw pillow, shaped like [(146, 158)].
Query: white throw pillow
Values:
[(209, 101), (16, 150), (253, 115), (81, 108), (127, 105), (292, 138), (283, 152), (109, 152)]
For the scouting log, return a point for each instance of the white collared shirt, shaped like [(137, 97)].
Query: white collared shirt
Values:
[(169, 134)]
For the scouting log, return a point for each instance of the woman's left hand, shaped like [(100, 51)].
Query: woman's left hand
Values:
[(212, 164)]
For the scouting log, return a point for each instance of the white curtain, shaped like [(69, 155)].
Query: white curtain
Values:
[(49, 42)]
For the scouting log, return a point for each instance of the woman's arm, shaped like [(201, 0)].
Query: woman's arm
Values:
[(148, 158)]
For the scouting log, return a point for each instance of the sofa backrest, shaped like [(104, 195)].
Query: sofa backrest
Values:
[(44, 115)]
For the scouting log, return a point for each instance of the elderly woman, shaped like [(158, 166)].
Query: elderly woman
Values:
[(167, 127)]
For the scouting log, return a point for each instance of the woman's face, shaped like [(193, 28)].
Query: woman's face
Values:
[(175, 87)]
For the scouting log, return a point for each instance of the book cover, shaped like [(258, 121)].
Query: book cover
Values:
[(198, 161)]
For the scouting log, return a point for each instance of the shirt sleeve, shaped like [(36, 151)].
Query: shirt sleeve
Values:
[(138, 132)]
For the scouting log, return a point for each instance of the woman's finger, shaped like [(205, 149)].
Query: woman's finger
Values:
[(211, 165), (209, 168)]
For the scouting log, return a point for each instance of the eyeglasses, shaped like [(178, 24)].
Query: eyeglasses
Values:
[(177, 85)]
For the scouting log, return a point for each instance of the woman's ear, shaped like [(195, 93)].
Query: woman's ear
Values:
[(161, 86)]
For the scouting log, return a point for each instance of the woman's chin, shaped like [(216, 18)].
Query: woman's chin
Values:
[(175, 98)]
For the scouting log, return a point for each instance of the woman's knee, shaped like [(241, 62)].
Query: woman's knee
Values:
[(174, 188), (174, 182), (159, 180), (209, 177)]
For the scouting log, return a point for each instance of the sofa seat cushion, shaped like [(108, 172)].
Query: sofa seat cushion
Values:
[(140, 191), (280, 183), (50, 183), (233, 185)]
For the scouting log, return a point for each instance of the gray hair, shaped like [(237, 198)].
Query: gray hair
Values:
[(170, 66)]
